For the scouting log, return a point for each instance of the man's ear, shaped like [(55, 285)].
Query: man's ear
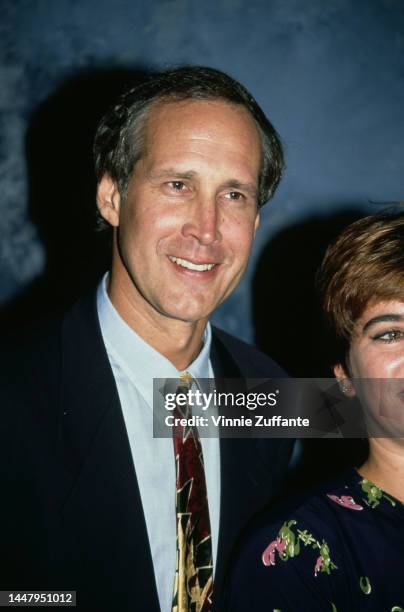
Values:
[(344, 381), (257, 222), (108, 200)]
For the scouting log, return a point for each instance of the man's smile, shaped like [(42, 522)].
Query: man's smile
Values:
[(190, 265)]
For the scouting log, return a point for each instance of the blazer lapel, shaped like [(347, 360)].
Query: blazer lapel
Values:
[(103, 519), (242, 473)]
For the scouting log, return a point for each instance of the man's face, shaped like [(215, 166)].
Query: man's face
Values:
[(186, 226)]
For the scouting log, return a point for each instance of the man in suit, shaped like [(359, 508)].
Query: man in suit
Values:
[(183, 161)]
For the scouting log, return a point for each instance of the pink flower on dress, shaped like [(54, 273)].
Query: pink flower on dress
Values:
[(346, 501), (268, 556), (319, 565)]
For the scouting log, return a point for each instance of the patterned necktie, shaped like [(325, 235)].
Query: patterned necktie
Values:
[(193, 582)]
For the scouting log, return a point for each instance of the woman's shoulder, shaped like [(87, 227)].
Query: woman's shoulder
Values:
[(332, 518), (315, 546), (310, 522), (348, 497)]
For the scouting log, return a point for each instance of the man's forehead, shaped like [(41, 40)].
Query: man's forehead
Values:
[(213, 126), (200, 112)]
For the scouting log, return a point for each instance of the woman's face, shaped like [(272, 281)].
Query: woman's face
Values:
[(376, 365)]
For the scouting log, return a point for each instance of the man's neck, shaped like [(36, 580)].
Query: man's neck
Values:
[(385, 465), (179, 341)]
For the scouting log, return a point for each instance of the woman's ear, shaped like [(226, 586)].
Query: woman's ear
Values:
[(108, 200), (344, 381)]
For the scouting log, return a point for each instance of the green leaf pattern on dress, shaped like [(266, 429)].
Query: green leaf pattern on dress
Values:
[(374, 494), (365, 585), (289, 538), (287, 545)]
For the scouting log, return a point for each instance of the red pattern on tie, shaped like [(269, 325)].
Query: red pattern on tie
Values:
[(194, 571)]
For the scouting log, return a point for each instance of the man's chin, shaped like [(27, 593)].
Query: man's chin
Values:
[(187, 314)]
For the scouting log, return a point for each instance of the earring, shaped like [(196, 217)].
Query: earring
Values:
[(345, 386)]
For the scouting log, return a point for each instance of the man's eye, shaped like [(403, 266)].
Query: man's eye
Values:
[(177, 185), (393, 335), (234, 195)]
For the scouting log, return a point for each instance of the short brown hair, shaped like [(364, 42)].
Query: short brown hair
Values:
[(364, 265)]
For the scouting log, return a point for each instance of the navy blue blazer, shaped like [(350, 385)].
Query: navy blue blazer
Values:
[(71, 513)]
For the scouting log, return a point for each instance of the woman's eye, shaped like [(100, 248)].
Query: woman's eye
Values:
[(390, 336)]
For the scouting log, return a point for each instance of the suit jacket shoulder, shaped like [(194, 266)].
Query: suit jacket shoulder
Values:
[(72, 503), (251, 362)]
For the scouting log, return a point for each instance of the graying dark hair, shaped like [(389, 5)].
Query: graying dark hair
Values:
[(119, 139)]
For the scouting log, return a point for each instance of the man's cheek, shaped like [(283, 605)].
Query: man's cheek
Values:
[(244, 245)]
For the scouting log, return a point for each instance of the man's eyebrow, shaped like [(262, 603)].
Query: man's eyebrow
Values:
[(251, 188), (171, 173), (382, 319)]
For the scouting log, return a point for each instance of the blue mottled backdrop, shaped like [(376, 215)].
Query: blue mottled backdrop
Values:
[(329, 74)]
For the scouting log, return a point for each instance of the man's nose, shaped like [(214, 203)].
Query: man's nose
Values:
[(203, 222)]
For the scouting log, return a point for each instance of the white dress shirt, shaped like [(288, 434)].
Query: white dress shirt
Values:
[(134, 364)]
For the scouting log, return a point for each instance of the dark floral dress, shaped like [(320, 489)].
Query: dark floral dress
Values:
[(340, 550)]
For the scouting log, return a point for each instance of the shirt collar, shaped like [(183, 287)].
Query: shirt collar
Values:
[(139, 360)]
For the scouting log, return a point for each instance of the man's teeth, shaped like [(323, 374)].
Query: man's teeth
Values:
[(192, 266)]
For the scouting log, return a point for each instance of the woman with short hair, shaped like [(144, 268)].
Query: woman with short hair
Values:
[(341, 548)]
